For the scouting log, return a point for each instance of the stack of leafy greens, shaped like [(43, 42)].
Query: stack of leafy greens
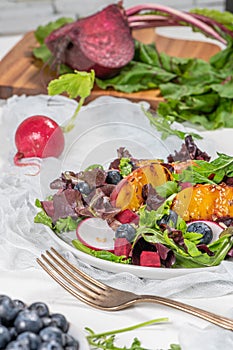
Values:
[(195, 91)]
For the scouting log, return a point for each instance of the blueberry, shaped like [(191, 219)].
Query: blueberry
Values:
[(69, 342), (19, 304), (30, 339), (204, 229), (17, 345), (8, 311), (113, 177), (13, 332), (5, 336), (28, 320), (59, 320), (126, 231), (83, 187), (168, 219), (46, 321), (41, 309), (72, 347), (50, 345), (51, 333)]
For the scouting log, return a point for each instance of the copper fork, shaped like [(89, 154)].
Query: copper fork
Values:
[(101, 296)]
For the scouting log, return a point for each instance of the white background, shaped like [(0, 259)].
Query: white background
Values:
[(17, 16)]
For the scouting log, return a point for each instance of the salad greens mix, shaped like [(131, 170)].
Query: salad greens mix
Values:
[(150, 219)]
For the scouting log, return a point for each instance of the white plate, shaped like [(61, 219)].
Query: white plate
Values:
[(100, 130), (156, 273)]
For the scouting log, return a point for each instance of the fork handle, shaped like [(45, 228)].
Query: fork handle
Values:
[(220, 321)]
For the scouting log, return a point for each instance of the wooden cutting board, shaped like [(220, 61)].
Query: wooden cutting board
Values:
[(21, 73)]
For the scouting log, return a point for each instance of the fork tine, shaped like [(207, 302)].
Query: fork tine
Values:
[(70, 269), (79, 272), (70, 280), (75, 293), (84, 290)]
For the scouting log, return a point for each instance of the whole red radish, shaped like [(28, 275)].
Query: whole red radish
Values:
[(38, 136)]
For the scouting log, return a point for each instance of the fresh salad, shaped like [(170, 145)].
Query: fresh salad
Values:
[(173, 213)]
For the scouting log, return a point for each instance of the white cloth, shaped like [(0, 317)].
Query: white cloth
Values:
[(21, 241)]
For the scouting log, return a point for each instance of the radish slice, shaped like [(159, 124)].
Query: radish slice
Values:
[(215, 226), (96, 234)]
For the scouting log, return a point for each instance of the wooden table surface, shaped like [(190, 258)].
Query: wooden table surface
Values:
[(21, 73)]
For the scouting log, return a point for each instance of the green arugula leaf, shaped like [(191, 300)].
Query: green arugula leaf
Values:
[(192, 248), (148, 219), (163, 123), (77, 84), (193, 236), (220, 247), (202, 170)]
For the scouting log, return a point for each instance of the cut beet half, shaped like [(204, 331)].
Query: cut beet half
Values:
[(96, 234), (102, 42)]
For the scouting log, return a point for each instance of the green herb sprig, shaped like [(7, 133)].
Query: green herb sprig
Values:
[(106, 340)]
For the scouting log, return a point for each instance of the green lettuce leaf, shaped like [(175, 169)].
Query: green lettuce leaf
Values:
[(62, 225), (44, 30)]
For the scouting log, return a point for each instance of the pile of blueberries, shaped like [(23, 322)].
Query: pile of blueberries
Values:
[(33, 327)]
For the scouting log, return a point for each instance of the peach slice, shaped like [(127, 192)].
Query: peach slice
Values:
[(128, 192), (204, 202)]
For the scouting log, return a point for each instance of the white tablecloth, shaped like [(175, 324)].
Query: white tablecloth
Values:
[(21, 277)]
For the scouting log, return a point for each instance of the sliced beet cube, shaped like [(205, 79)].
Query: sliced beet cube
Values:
[(148, 258), (127, 216), (122, 247)]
